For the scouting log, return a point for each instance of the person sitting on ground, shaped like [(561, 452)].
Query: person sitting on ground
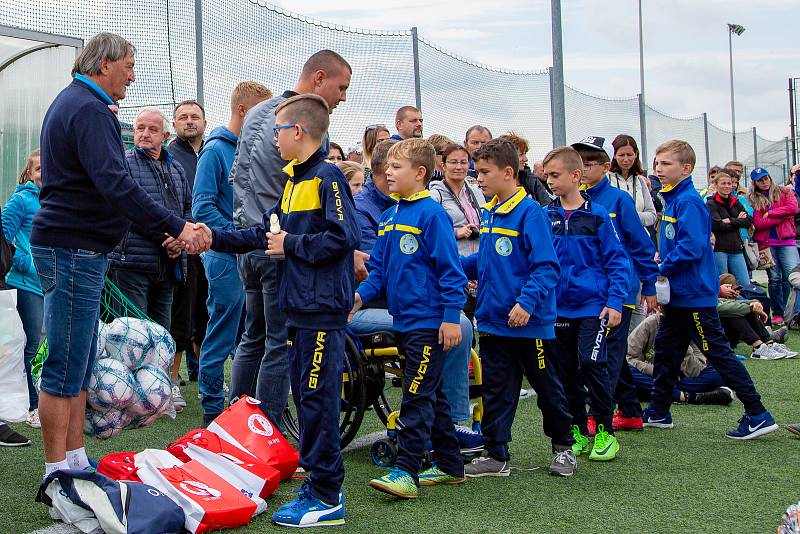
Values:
[(698, 382), (354, 172), (336, 153), (532, 184), (743, 320)]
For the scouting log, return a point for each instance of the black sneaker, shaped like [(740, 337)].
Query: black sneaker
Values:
[(207, 418), (722, 396), (11, 438)]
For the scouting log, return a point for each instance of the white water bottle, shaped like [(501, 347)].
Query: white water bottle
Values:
[(275, 228), (662, 290)]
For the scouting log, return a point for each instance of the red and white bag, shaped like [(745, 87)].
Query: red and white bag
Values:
[(262, 479), (208, 501), (254, 480), (244, 425)]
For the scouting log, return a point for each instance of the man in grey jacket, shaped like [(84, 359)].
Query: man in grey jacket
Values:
[(261, 366)]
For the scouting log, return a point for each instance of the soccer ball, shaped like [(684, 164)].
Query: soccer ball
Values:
[(104, 425), (110, 386), (101, 339), (127, 341), (162, 347), (154, 392)]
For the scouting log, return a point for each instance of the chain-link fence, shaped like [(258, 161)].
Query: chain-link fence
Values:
[(253, 40)]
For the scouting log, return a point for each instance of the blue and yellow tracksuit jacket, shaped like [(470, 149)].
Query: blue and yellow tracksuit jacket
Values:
[(415, 264), (317, 212), (636, 242), (594, 266), (515, 264), (687, 257)]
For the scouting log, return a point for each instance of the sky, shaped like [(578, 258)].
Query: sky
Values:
[(685, 47)]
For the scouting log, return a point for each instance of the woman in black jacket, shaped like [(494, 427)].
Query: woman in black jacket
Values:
[(727, 217)]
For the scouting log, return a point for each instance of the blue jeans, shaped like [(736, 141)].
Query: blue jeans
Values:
[(225, 302), (707, 380), (455, 375), (151, 294), (734, 264), (72, 281), (261, 364), (786, 258), (30, 307)]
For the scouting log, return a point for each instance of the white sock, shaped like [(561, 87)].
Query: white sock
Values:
[(77, 459), (55, 466)]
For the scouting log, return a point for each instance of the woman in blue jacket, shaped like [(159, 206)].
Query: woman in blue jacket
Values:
[(17, 218)]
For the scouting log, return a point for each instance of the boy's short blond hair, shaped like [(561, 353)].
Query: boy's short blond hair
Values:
[(245, 92), (350, 168), (568, 156), (439, 142), (310, 111), (419, 152), (681, 149)]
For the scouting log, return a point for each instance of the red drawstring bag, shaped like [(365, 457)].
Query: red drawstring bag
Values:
[(269, 476), (118, 466), (244, 425)]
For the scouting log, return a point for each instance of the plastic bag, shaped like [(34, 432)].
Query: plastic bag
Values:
[(13, 384), (244, 425)]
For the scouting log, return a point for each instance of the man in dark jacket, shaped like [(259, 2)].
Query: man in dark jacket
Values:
[(189, 315), (145, 271), (88, 201)]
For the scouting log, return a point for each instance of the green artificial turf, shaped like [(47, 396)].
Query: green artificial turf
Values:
[(689, 479)]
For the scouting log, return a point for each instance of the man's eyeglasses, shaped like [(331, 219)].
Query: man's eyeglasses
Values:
[(590, 164), (277, 129)]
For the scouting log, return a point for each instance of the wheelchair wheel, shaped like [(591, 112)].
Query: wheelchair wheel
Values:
[(353, 401), (384, 453)]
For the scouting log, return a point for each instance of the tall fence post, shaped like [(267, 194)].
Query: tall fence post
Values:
[(557, 103), (198, 49), (415, 49), (705, 141), (788, 161), (792, 121), (755, 148), (643, 129)]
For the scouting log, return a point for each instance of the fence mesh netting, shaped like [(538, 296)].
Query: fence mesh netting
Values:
[(254, 40)]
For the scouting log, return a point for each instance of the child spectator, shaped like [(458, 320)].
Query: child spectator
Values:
[(687, 263), (517, 272), (354, 172), (317, 236), (596, 154), (415, 264), (594, 284)]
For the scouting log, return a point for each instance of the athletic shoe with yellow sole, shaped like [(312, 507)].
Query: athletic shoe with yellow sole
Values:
[(434, 476), (396, 482)]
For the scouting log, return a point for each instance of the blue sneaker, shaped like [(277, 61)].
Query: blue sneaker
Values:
[(753, 426), (469, 441), (308, 511), (651, 417)]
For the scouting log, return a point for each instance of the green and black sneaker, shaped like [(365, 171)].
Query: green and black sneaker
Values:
[(605, 447)]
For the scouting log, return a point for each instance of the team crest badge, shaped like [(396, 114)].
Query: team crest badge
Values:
[(408, 244), (503, 246), (669, 231)]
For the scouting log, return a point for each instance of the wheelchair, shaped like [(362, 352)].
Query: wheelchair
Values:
[(372, 378)]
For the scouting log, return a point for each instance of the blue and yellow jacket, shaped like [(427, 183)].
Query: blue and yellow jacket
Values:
[(687, 257), (415, 264), (594, 266), (515, 264), (316, 210), (635, 240)]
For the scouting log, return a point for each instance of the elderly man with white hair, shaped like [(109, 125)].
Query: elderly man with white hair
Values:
[(145, 265)]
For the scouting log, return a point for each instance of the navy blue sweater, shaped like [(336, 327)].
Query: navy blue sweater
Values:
[(88, 197), (316, 282)]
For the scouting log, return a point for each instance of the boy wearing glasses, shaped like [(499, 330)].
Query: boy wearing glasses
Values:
[(318, 233)]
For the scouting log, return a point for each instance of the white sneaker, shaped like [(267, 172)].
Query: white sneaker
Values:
[(33, 419), (177, 399), (783, 349), (766, 352)]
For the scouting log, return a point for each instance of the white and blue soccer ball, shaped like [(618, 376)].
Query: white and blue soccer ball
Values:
[(153, 391), (110, 386), (127, 341), (162, 347), (101, 339), (105, 425)]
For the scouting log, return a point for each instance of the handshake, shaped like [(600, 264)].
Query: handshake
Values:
[(194, 239)]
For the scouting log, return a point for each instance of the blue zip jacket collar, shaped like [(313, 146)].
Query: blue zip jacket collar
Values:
[(635, 240), (96, 88)]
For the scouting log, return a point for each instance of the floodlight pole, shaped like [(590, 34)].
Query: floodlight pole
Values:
[(733, 28), (557, 106)]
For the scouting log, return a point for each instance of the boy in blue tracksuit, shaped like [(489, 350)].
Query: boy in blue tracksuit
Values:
[(690, 312), (596, 153), (517, 272), (415, 265), (212, 204), (594, 284), (318, 233)]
